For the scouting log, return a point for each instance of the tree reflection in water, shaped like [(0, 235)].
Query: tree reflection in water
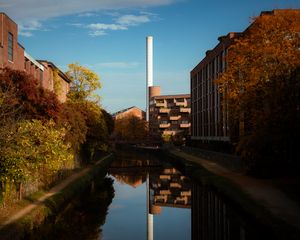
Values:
[(83, 217)]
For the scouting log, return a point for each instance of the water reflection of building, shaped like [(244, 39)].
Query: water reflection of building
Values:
[(130, 172), (170, 189), (165, 186), (129, 179), (213, 218)]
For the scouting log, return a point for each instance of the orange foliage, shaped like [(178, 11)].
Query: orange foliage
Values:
[(33, 101), (261, 84), (267, 53)]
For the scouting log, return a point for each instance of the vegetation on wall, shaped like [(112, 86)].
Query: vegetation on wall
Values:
[(57, 84)]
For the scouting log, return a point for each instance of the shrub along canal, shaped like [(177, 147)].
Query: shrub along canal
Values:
[(145, 197)]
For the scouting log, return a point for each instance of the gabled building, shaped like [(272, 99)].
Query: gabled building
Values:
[(131, 111), (14, 56)]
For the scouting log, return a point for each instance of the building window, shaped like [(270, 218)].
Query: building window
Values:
[(10, 47), (41, 76)]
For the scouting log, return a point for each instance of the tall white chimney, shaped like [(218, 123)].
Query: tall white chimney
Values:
[(149, 71)]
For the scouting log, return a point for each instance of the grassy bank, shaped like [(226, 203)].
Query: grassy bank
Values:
[(54, 204)]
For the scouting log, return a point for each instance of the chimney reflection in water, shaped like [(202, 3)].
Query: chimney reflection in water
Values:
[(149, 215)]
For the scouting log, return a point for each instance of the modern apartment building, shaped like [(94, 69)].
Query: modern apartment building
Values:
[(170, 189), (14, 56), (169, 114)]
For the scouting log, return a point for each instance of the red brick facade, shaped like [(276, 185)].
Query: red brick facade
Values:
[(14, 56), (209, 115), (169, 114), (132, 111)]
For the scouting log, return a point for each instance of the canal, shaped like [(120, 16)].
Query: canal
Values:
[(145, 197)]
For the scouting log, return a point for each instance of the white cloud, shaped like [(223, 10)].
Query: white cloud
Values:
[(103, 26), (99, 29), (118, 64), (76, 24), (87, 14), (132, 20), (25, 34), (37, 9), (97, 33), (26, 28), (121, 23), (31, 25)]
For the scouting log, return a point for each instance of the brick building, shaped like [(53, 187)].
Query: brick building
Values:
[(131, 111), (169, 114), (55, 80), (14, 56), (210, 121), (209, 115)]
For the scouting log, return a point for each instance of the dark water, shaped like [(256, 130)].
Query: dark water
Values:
[(144, 198)]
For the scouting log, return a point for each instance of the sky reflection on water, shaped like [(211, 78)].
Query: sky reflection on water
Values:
[(127, 214)]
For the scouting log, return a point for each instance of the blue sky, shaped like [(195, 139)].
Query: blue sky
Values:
[(109, 37)]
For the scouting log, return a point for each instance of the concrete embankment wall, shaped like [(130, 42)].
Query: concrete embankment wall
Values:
[(55, 203), (230, 161)]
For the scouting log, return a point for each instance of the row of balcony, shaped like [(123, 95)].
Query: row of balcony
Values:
[(182, 110), (175, 200), (181, 125), (164, 104), (171, 118)]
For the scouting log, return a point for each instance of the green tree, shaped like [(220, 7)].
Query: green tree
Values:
[(84, 82), (34, 149)]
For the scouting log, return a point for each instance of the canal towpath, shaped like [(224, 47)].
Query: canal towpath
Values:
[(54, 190), (259, 190)]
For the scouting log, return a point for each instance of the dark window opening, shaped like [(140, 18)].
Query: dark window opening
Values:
[(10, 47)]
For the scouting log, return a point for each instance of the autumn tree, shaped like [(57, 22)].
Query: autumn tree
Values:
[(73, 116), (84, 82), (27, 96), (130, 129), (261, 87), (97, 131), (109, 121)]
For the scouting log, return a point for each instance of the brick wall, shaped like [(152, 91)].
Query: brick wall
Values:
[(42, 71)]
